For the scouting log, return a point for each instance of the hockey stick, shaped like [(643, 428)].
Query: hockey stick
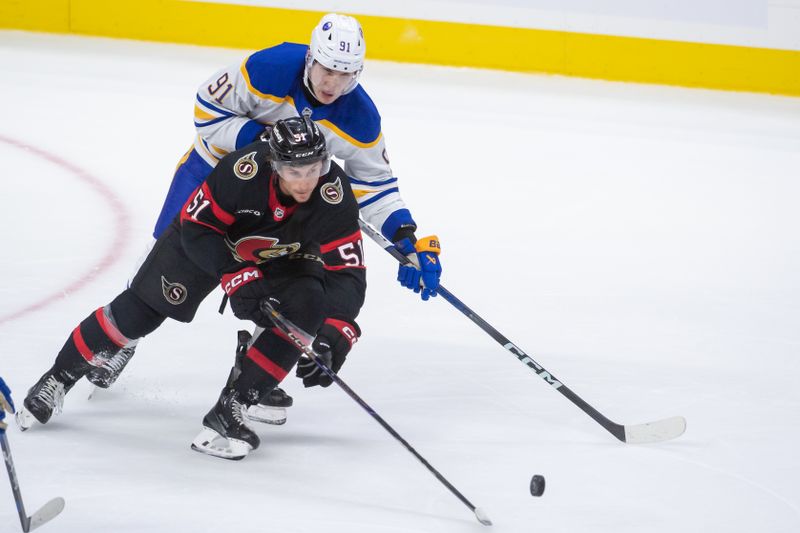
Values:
[(303, 341), (658, 431), (46, 513)]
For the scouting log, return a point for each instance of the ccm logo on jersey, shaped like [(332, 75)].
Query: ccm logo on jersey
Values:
[(239, 279)]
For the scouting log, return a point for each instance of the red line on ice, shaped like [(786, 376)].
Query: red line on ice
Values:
[(121, 221)]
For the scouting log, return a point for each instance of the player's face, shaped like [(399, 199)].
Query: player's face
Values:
[(299, 182), (328, 84)]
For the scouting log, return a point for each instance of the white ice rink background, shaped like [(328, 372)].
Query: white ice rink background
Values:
[(640, 242)]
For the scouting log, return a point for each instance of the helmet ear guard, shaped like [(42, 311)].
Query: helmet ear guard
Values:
[(337, 43)]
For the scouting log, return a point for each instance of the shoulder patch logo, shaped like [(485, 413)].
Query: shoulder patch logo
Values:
[(332, 192), (246, 167), (175, 293)]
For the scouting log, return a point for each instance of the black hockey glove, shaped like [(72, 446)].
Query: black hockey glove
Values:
[(333, 343), (245, 289)]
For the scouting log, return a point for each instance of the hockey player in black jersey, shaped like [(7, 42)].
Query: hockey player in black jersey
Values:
[(234, 106), (276, 220)]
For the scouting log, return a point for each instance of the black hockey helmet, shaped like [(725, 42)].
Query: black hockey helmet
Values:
[(297, 141)]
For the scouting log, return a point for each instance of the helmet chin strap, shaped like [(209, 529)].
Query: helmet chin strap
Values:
[(310, 87), (306, 80), (307, 75)]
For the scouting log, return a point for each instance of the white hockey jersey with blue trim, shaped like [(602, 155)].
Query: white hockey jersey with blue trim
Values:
[(235, 104)]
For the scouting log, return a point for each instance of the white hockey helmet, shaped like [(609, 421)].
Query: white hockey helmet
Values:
[(337, 43)]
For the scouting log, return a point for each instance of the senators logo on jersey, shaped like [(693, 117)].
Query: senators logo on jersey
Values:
[(260, 249), (332, 192), (174, 293), (246, 167)]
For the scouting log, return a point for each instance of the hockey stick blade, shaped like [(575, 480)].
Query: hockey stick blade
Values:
[(658, 431), (650, 432), (47, 512), (482, 517)]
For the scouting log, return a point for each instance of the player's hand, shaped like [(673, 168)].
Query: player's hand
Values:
[(423, 276), (245, 288), (333, 343), (6, 405)]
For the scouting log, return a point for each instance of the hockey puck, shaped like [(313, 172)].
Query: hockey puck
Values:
[(537, 485)]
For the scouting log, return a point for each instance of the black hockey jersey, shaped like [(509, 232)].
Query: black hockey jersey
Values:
[(239, 214)]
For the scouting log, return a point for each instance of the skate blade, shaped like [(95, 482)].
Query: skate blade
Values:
[(266, 414), (100, 383), (210, 442), (24, 419)]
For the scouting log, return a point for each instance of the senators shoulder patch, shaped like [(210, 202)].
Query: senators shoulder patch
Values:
[(246, 167), (333, 193)]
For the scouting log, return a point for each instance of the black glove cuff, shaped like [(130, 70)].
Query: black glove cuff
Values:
[(405, 232)]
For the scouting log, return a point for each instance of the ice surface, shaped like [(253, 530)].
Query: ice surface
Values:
[(640, 242)]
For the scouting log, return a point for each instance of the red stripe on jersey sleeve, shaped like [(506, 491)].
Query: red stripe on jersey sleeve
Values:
[(200, 200), (355, 237), (223, 216)]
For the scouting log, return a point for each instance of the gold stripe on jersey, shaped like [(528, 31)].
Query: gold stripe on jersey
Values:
[(201, 145), (331, 126), (364, 190), (184, 158), (221, 152), (201, 114)]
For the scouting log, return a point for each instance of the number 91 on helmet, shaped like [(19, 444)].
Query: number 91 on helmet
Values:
[(297, 142), (337, 44)]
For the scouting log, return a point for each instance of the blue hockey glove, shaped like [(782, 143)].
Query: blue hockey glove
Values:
[(423, 276), (6, 405)]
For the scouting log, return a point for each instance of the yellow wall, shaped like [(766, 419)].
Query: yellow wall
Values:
[(422, 41)]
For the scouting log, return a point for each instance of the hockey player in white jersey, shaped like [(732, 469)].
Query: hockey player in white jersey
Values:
[(238, 103)]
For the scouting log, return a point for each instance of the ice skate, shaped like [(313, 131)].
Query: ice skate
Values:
[(104, 376), (225, 433), (271, 409), (45, 398)]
